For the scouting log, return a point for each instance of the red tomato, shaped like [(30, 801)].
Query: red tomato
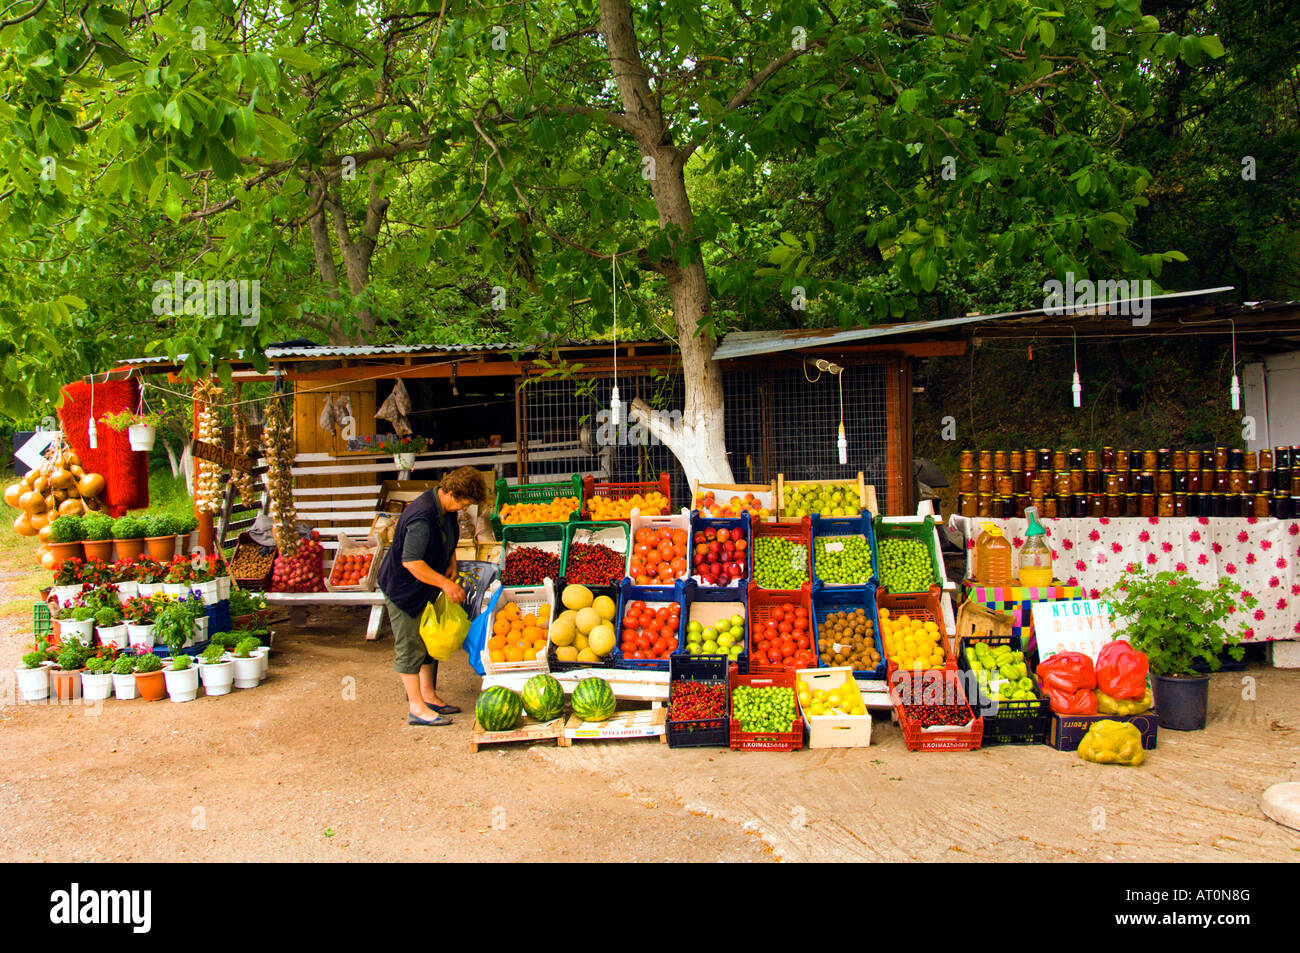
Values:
[(672, 644), (785, 628), (643, 641), (764, 645), (774, 655), (661, 647), (787, 649), (778, 614), (801, 641), (636, 605)]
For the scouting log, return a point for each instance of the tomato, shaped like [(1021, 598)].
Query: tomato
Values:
[(785, 628), (774, 655), (629, 634), (661, 647), (636, 605), (764, 645), (672, 644), (643, 641), (801, 641), (778, 614), (787, 649), (644, 535)]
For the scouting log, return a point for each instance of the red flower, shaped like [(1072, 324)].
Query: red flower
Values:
[(1281, 604), (1245, 595), (1181, 566), (1094, 593), (1250, 559), (1217, 548), (1167, 546), (1203, 520), (1250, 632), (1104, 520), (1281, 562), (1259, 615), (1295, 590), (1017, 542), (1230, 569), (1116, 548), (1094, 536), (1144, 536), (1132, 567), (1151, 559), (970, 544), (1055, 554), (1202, 559), (1153, 520), (1265, 544), (1252, 520), (1243, 537), (1080, 565), (1295, 528), (1072, 581), (1194, 536), (1068, 543)]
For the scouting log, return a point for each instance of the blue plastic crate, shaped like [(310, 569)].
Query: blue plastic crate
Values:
[(826, 600), (218, 616), (824, 526), (741, 523), (628, 592), (692, 593)]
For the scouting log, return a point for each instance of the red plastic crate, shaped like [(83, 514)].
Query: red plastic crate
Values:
[(917, 605), (624, 491), (763, 676), (762, 603), (948, 685), (800, 532)]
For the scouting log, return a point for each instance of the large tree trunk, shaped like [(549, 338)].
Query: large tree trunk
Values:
[(698, 440)]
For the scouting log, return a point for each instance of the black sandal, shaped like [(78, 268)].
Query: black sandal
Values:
[(438, 722), (444, 709)]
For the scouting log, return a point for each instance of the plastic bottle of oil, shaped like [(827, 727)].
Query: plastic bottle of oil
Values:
[(993, 557), (1035, 554)]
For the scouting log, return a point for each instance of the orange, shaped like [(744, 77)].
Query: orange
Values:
[(540, 644), (529, 620), (498, 641), (514, 654), (543, 612), (497, 655)]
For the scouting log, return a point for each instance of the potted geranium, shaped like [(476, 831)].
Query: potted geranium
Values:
[(220, 571), (34, 676), (149, 575), (66, 535), (160, 536), (141, 613), (141, 428), (95, 573), (97, 679), (109, 627), (149, 680), (182, 679), (124, 676), (128, 532), (98, 542), (248, 664), (216, 669), (180, 576), (72, 657), (204, 580), (124, 577), (67, 580), (403, 449), (1176, 621)]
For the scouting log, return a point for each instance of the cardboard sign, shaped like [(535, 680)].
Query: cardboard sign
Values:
[(1074, 625)]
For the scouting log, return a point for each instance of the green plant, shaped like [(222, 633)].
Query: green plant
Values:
[(186, 524), (148, 569), (107, 617), (73, 655), (96, 572), (212, 654), (174, 626), (122, 419), (142, 610), (33, 659), (69, 572), (68, 529), (160, 524), (180, 663), (97, 526), (244, 602), (128, 527), (124, 665), (82, 613), (1176, 621), (148, 663), (245, 647), (99, 665)]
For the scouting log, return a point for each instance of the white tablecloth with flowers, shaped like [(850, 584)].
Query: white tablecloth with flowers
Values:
[(1262, 555)]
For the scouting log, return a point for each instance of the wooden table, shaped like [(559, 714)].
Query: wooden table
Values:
[(303, 599)]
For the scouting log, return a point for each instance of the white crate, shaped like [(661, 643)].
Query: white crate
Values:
[(834, 731), (529, 599), (352, 547), (680, 521)]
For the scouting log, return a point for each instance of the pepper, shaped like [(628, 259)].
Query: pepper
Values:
[(1112, 742), (1108, 705)]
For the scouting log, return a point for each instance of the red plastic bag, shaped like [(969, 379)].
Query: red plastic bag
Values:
[(1068, 679), (1066, 702), (1122, 670)]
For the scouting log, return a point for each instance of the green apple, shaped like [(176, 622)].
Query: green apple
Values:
[(710, 647)]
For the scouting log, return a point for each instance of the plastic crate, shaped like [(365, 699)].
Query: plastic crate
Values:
[(624, 491), (355, 547), (508, 493), (612, 533), (741, 524), (917, 605), (709, 599), (866, 494), (764, 495), (800, 532), (42, 626), (827, 600), (258, 583), (831, 527), (702, 732), (555, 664), (219, 617), (672, 521), (1022, 722), (945, 687), (544, 536), (651, 595), (529, 599), (762, 603), (763, 676), (921, 530)]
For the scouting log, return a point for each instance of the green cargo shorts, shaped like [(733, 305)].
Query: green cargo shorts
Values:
[(411, 653)]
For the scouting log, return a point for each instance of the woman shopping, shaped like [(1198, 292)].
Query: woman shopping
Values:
[(420, 563)]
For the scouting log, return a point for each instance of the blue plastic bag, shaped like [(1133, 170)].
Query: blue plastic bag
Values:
[(479, 630)]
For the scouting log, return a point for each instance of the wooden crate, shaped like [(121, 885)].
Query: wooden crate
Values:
[(866, 494), (765, 493), (834, 731), (527, 730), (350, 547), (975, 620), (621, 726)]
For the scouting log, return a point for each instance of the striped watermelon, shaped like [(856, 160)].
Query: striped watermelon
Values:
[(543, 697), (498, 708), (593, 700)]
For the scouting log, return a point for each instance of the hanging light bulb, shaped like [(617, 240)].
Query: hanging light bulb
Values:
[(613, 393), (1076, 385), (92, 434), (842, 442), (1234, 391), (613, 405)]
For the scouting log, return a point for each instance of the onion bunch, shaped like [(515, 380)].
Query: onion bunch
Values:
[(207, 479)]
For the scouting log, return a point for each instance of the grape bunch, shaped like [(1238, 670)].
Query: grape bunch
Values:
[(905, 565), (763, 709)]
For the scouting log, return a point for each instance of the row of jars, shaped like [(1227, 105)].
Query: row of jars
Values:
[(1109, 458), (1039, 484), (1085, 505)]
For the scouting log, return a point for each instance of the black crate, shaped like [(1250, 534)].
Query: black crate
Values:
[(1022, 722), (608, 661), (704, 733)]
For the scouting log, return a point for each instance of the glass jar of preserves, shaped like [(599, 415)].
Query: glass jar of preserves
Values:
[(1148, 504), (1281, 506), (1266, 481), (999, 459), (985, 506), (1076, 481), (1093, 481), (1193, 481), (1135, 459), (1295, 482), (1016, 461), (1236, 481), (1165, 504), (1281, 456), (1121, 461), (1059, 461), (1036, 488), (1282, 478), (1180, 481), (1096, 505), (1091, 460), (1252, 481), (966, 481), (1049, 507), (1220, 481), (968, 460), (1252, 460), (1147, 482), (1076, 458), (1023, 502), (1164, 458), (1114, 504), (1062, 480), (1081, 506), (1132, 506), (1164, 481), (1266, 459), (1113, 484), (1108, 458), (1180, 504), (1193, 459), (1220, 458), (1207, 480), (1006, 486), (984, 482), (1217, 505), (1180, 460), (1231, 505), (1149, 460), (969, 504), (1236, 459), (1045, 459)]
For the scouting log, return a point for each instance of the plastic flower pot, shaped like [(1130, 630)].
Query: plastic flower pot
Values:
[(248, 671), (34, 683), (177, 589), (101, 549), (141, 436), (209, 591), (78, 630), (129, 548), (116, 635), (124, 686), (62, 551), (138, 635), (67, 683), (264, 654), (150, 588), (96, 687), (161, 548), (218, 677), (127, 590), (64, 593), (404, 461), (184, 542), (201, 629), (1181, 703), (182, 686), (223, 587), (151, 685)]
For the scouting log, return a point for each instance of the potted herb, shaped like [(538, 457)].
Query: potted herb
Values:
[(124, 676), (141, 613), (246, 607), (216, 669), (72, 657), (174, 626), (149, 680), (109, 628), (149, 574), (182, 679), (141, 428), (124, 577), (1177, 622), (160, 536), (248, 664), (34, 677), (97, 679), (66, 534), (76, 622), (128, 531), (185, 527), (98, 543)]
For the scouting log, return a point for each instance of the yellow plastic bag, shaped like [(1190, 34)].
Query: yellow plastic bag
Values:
[(1113, 742), (1123, 706), (443, 627)]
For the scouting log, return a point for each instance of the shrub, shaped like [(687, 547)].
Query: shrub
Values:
[(68, 529), (97, 526), (124, 665), (128, 527), (186, 524), (160, 524), (148, 663), (73, 655)]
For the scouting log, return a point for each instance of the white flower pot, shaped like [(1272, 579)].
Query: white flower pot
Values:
[(77, 630), (115, 635), (64, 593), (182, 686), (127, 590), (201, 629), (223, 587), (209, 592), (96, 687), (218, 676), (404, 461), (124, 686), (34, 683), (176, 589), (264, 653), (148, 589), (141, 436), (248, 671), (140, 635)]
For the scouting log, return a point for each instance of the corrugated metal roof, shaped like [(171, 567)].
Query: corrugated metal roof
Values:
[(754, 343)]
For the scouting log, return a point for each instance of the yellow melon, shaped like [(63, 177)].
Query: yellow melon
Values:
[(588, 619), (580, 641), (587, 655), (576, 597), (566, 653), (601, 639), (562, 631), (605, 606)]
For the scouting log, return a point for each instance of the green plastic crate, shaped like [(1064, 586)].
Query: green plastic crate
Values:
[(41, 624), (534, 493), (922, 531), (549, 536), (608, 532)]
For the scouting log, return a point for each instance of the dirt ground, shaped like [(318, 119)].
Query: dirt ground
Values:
[(318, 764)]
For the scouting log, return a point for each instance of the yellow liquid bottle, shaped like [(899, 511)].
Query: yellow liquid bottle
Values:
[(1035, 554)]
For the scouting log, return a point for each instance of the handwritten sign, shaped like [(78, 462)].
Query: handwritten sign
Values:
[(1074, 625), (227, 458)]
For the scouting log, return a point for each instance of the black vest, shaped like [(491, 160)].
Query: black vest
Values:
[(395, 580)]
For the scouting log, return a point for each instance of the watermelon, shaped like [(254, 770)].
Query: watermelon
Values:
[(498, 708), (593, 700), (543, 697)]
